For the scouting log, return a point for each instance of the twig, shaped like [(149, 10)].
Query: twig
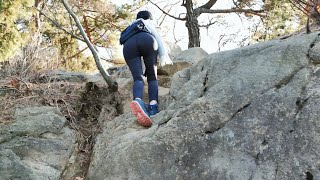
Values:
[(28, 97), (178, 18), (213, 11), (67, 105), (22, 82), (60, 27), (11, 88)]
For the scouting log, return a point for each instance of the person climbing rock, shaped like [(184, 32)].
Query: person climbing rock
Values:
[(141, 41)]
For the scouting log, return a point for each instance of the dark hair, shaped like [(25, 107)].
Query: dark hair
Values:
[(144, 15)]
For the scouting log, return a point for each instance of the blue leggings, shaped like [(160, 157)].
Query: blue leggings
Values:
[(142, 45)]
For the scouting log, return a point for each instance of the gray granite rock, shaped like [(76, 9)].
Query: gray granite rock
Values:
[(249, 113), (37, 145), (192, 55)]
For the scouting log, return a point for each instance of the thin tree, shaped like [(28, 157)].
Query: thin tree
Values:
[(112, 84), (192, 14)]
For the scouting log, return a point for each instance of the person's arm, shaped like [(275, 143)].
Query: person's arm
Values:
[(163, 54)]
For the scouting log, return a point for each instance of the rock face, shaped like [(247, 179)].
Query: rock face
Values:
[(249, 113), (315, 53), (192, 55), (36, 146), (183, 60)]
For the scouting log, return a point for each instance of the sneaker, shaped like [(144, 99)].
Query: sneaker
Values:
[(139, 110), (153, 109)]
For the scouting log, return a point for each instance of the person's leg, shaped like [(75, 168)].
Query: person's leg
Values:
[(133, 59), (149, 52), (135, 67), (153, 97)]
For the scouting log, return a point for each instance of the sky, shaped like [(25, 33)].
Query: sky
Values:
[(233, 29)]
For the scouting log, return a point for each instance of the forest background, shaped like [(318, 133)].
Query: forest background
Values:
[(39, 35)]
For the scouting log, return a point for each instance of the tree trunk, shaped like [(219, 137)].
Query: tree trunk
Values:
[(192, 25), (112, 84)]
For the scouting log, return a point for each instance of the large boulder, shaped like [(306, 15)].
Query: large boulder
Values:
[(192, 55), (183, 60), (37, 145), (171, 69), (249, 113)]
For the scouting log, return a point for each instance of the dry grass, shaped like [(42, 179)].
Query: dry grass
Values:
[(19, 93), (31, 59), (23, 82)]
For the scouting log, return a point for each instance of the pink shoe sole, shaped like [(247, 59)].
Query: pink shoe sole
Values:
[(142, 117)]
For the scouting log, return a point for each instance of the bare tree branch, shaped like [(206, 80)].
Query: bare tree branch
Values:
[(219, 42), (76, 54), (178, 18), (112, 84), (56, 24), (213, 11), (209, 4), (235, 3), (73, 28), (60, 27), (174, 34), (170, 8), (207, 25), (301, 5), (95, 41)]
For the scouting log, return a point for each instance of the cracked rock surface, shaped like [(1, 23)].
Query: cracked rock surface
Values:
[(248, 113), (37, 145)]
